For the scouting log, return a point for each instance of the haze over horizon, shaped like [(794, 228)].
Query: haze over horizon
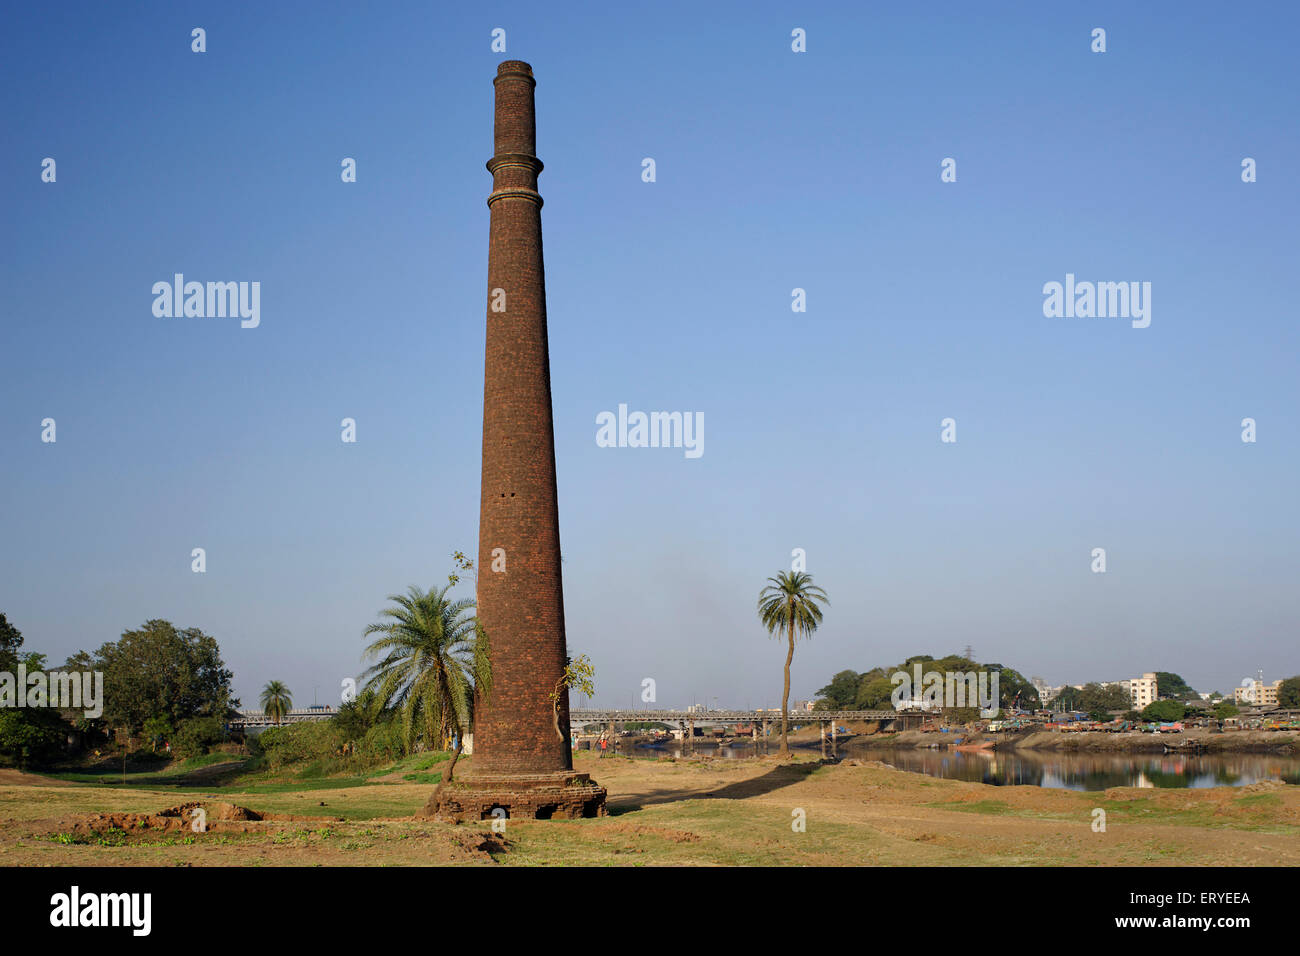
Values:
[(775, 171)]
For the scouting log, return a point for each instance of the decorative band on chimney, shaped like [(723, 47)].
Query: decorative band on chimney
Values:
[(530, 194), (506, 160)]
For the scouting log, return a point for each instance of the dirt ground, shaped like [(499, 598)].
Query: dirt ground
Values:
[(698, 811)]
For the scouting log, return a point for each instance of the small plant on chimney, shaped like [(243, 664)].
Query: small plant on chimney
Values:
[(579, 674)]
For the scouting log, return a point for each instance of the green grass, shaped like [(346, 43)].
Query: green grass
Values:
[(174, 776), (993, 807)]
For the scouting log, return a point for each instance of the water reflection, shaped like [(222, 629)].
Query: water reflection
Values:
[(1070, 771), (701, 748), (1077, 771)]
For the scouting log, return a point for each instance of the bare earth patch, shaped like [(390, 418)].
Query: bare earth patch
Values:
[(667, 812)]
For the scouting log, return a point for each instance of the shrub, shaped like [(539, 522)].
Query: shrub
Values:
[(381, 742), (194, 736), (34, 736), (309, 740)]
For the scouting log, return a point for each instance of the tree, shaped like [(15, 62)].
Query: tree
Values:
[(1173, 687), (875, 690), (276, 700), (842, 692), (1167, 710), (789, 603), (1014, 691), (1102, 700), (1288, 692), (194, 736), (432, 658), (161, 670), (1070, 698), (32, 735), (158, 730), (10, 640), (1224, 709)]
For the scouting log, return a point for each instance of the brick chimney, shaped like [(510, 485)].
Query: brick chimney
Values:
[(520, 763)]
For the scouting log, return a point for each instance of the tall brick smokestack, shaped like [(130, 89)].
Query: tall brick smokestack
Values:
[(520, 762), (522, 608)]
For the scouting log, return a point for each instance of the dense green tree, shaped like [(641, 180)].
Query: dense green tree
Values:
[(356, 717), (1288, 692), (1172, 687), (10, 640), (842, 692), (31, 736), (196, 736), (160, 670), (1070, 698), (1167, 710), (1224, 709), (875, 690), (432, 655), (1093, 699), (1105, 699), (1014, 689), (790, 603), (158, 730)]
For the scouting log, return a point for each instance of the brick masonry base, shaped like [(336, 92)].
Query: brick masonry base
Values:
[(565, 795)]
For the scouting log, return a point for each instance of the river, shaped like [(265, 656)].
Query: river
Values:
[(1071, 771)]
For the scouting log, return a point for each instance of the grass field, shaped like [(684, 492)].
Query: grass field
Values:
[(662, 813)]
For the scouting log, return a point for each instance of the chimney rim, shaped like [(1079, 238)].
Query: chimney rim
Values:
[(514, 68)]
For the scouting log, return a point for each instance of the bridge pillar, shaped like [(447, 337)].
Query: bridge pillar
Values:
[(691, 737), (821, 726), (835, 747)]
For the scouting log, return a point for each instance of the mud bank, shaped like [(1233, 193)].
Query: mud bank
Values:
[(1244, 741)]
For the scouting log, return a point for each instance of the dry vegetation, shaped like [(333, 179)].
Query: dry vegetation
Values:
[(688, 812)]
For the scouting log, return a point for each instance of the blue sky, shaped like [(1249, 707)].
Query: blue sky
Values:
[(775, 170)]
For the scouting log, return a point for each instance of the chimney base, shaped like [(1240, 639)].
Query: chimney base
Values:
[(564, 795)]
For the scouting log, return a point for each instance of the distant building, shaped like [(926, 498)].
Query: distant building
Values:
[(804, 705), (1142, 690), (1257, 692), (1046, 692)]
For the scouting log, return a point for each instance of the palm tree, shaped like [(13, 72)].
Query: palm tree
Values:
[(789, 603), (276, 700), (433, 656)]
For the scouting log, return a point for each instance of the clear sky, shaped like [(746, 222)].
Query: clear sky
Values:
[(775, 170)]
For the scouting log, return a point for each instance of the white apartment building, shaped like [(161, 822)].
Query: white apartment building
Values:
[(1142, 690)]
